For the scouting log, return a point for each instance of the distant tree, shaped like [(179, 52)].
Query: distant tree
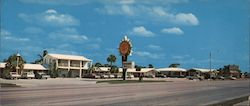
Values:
[(12, 63), (106, 65), (91, 69), (114, 69), (138, 67), (98, 64), (150, 66), (175, 65), (40, 60), (111, 59), (53, 71)]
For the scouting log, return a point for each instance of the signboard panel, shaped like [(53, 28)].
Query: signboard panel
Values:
[(129, 64)]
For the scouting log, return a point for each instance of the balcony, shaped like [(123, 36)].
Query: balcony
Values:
[(63, 64), (74, 65)]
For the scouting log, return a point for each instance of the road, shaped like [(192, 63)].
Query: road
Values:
[(161, 93)]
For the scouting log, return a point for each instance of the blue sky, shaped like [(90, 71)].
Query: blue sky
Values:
[(162, 31)]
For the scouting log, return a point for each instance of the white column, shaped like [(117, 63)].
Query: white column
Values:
[(56, 63), (80, 75), (69, 66)]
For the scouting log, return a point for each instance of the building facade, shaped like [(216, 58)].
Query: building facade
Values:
[(67, 65), (230, 71), (27, 68), (173, 72)]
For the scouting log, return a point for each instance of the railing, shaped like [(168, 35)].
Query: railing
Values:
[(63, 64), (74, 65)]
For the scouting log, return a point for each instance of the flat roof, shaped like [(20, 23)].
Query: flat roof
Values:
[(203, 69), (34, 67), (2, 65), (171, 69), (68, 57), (28, 66), (133, 70)]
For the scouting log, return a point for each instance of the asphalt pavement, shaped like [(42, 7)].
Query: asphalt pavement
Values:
[(138, 94)]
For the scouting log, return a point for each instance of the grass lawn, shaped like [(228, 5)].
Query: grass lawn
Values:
[(130, 81), (4, 85)]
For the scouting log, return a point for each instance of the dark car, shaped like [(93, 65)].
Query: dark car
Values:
[(41, 76)]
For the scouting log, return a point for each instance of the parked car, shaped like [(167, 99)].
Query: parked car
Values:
[(118, 76), (195, 77), (96, 76), (221, 78), (232, 78), (130, 76), (111, 76), (161, 75), (151, 76), (14, 75), (104, 76), (42, 75), (28, 75)]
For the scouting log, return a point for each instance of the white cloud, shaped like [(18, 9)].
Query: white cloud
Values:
[(146, 2), (63, 51), (127, 1), (6, 35), (146, 54), (12, 38), (127, 10), (33, 30), (68, 34), (152, 13), (83, 2), (58, 2), (141, 31), (92, 46), (173, 30), (50, 17), (154, 47), (51, 11), (186, 18)]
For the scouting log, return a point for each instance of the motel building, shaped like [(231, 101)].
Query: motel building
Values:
[(206, 73), (67, 65), (27, 68), (173, 72), (146, 72)]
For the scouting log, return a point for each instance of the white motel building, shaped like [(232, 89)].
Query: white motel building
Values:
[(65, 64)]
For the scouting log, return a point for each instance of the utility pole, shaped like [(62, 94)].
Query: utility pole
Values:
[(210, 64)]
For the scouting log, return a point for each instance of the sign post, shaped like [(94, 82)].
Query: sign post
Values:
[(125, 50)]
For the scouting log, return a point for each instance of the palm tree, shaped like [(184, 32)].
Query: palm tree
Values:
[(175, 65), (15, 62), (111, 59), (150, 66), (40, 60), (98, 64)]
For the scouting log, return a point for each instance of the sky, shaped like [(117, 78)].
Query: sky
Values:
[(162, 32)]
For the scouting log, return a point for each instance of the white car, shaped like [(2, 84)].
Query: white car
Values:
[(93, 76), (28, 75), (42, 76), (130, 76), (104, 76), (232, 78), (111, 76), (14, 75), (118, 76)]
